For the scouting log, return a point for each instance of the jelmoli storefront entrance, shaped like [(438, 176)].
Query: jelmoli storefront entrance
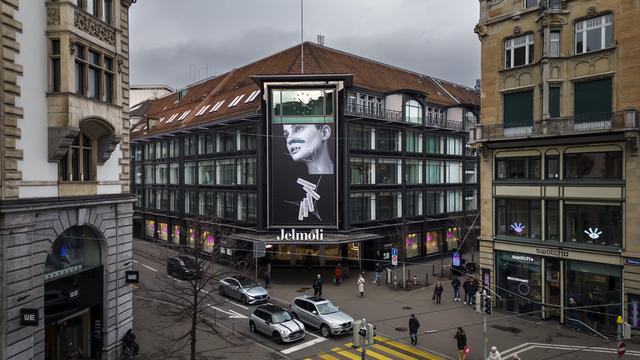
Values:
[(541, 281)]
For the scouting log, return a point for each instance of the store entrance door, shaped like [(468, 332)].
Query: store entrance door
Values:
[(552, 288), (67, 339)]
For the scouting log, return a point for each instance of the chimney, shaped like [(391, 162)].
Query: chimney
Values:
[(321, 40)]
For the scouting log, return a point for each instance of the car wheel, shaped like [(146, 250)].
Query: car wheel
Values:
[(276, 337), (326, 332), (252, 327), (245, 300), (295, 316)]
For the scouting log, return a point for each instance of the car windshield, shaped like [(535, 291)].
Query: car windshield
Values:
[(280, 317), (247, 283), (188, 262), (327, 308)]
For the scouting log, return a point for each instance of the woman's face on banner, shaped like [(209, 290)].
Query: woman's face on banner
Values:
[(303, 141)]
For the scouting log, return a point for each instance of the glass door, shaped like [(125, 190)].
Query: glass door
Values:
[(552, 288)]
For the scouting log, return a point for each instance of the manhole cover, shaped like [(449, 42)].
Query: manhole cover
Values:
[(401, 329), (511, 329), (406, 308)]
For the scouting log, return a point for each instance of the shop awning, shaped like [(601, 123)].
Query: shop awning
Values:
[(329, 238)]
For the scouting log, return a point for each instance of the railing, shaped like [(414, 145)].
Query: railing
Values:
[(373, 112), (597, 122), (443, 123), (553, 4)]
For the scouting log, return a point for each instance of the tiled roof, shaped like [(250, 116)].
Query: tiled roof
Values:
[(367, 74)]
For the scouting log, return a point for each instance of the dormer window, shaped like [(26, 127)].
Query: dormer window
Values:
[(413, 112)]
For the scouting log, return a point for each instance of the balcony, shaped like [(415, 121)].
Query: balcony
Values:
[(619, 121), (369, 112)]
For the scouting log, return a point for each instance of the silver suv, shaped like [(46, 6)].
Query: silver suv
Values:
[(321, 314), (276, 322)]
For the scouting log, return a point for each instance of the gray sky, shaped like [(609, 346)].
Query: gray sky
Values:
[(178, 42)]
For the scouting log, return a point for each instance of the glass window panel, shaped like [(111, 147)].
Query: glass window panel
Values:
[(593, 224), (602, 165)]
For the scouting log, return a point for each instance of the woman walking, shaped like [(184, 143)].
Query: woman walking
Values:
[(361, 285), (437, 292), (461, 342)]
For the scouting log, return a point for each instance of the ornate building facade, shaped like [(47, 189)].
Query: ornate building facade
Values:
[(65, 208)]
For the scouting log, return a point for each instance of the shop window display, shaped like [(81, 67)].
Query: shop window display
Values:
[(518, 217), (593, 224), (453, 238), (175, 234), (150, 228), (433, 242), (191, 238), (208, 241), (519, 279), (412, 245), (163, 233)]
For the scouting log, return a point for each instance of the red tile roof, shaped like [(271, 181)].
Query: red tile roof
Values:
[(367, 74)]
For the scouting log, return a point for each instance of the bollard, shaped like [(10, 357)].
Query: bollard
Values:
[(395, 282), (426, 279), (415, 280)]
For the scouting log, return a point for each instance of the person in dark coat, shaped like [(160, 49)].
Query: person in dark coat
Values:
[(455, 283), (474, 289), (267, 279), (414, 325), (461, 343), (437, 292), (466, 286), (317, 286)]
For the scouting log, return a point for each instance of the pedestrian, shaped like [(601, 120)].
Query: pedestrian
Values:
[(494, 354), (516, 357), (461, 342), (414, 325), (455, 283), (338, 274), (378, 272), (466, 286), (361, 285), (317, 286), (437, 292), (267, 279)]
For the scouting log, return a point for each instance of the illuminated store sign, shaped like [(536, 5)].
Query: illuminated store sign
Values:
[(523, 258), (313, 235), (552, 252), (517, 227), (594, 234)]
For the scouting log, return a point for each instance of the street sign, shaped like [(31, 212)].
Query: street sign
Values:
[(29, 317), (394, 256), (621, 349), (132, 277)]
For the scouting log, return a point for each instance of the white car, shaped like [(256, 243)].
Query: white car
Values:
[(275, 321)]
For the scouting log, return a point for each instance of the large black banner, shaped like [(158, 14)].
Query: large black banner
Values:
[(303, 158)]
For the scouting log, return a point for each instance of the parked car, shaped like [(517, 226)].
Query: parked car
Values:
[(321, 314), (276, 322), (183, 267), (244, 289)]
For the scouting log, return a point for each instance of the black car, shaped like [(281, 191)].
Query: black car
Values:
[(183, 267)]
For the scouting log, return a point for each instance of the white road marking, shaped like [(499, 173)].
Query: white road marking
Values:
[(135, 261), (149, 267), (530, 346), (303, 345), (205, 291), (222, 311), (237, 315), (171, 277), (244, 307)]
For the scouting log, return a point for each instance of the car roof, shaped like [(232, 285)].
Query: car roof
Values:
[(240, 277), (315, 299), (271, 308)]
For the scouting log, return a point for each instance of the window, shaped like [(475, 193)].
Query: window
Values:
[(246, 207), (592, 101), (470, 172), (206, 205), (226, 205), (191, 202), (174, 201), (226, 172), (389, 205), (206, 144), (190, 173), (360, 137), (206, 172), (78, 163), (593, 224), (554, 43), (518, 109), (101, 9), (226, 141), (149, 175), (452, 239), (518, 168), (138, 174), (413, 172), (518, 217), (413, 143), (454, 200), (471, 199), (94, 74), (552, 166), (594, 34), (530, 3), (552, 220), (435, 144), (248, 139), (518, 51), (554, 101), (174, 173), (413, 112), (362, 170), (435, 172), (174, 148), (413, 203), (433, 241), (387, 140), (412, 245), (435, 202), (246, 171), (362, 207), (600, 165), (294, 105), (54, 58), (389, 171), (162, 176), (454, 145), (190, 145), (454, 172), (149, 198)]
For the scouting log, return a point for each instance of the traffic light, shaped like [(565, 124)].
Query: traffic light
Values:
[(486, 305)]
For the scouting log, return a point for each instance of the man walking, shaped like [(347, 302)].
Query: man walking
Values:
[(414, 325), (267, 279), (317, 286), (461, 342), (455, 283), (379, 269), (437, 292)]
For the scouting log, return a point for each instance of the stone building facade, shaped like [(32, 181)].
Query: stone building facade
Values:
[(65, 208), (559, 158)]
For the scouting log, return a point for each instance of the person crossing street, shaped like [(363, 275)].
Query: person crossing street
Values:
[(455, 283), (317, 286), (461, 343), (361, 284), (414, 325)]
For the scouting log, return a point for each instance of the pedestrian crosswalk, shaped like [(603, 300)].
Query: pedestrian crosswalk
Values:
[(383, 349)]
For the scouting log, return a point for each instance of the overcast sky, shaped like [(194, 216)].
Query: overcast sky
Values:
[(178, 42)]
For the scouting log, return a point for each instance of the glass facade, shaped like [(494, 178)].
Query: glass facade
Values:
[(519, 281), (413, 245)]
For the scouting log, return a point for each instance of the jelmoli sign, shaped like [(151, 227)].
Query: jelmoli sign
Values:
[(293, 234)]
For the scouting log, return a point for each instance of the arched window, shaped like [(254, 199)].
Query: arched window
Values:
[(76, 249), (413, 112), (79, 164)]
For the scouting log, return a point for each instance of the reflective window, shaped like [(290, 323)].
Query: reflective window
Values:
[(413, 112), (518, 51), (413, 172), (76, 249), (518, 217), (362, 206), (413, 203), (389, 171), (362, 170), (600, 165), (435, 202), (412, 245), (594, 34), (593, 224), (518, 168), (389, 205)]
